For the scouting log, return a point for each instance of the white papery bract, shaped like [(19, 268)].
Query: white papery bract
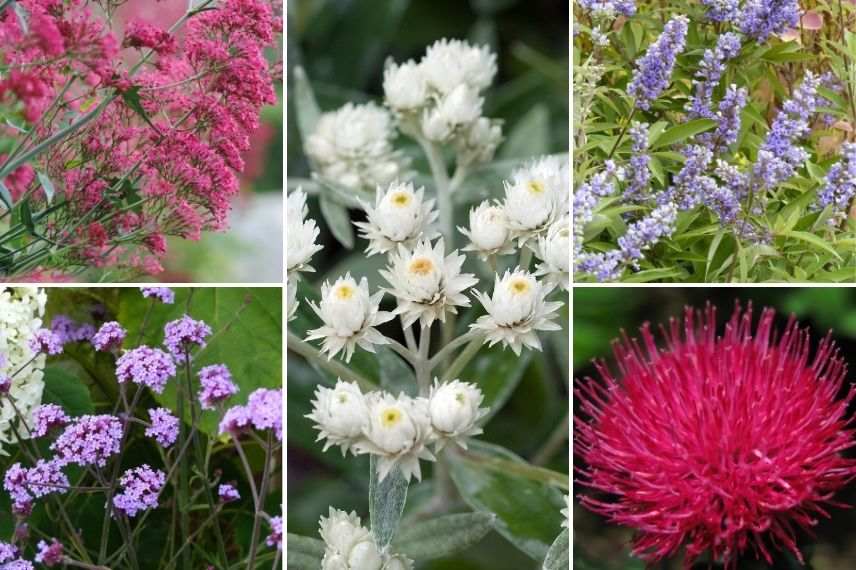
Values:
[(479, 142), (488, 232), (454, 410), (300, 235), (350, 314), (426, 283), (398, 434), (554, 249), (400, 216), (405, 86), (352, 147), (340, 414), (453, 114), (21, 311), (450, 63), (537, 195), (517, 309), (348, 545)]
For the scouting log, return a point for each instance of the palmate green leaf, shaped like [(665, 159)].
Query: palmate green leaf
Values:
[(559, 554), (338, 221), (386, 503), (442, 536), (527, 510), (303, 552), (682, 132), (247, 335)]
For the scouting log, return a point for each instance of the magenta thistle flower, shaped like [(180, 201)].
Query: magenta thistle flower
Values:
[(151, 367), (49, 554), (163, 294), (140, 489), (181, 334), (721, 444), (46, 341), (47, 417), (217, 386), (109, 336), (164, 428)]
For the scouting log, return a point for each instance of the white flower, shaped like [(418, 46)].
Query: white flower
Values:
[(450, 63), (400, 216), (291, 300), (352, 147), (350, 315), (567, 512), (456, 110), (426, 284), (300, 234), (340, 414), (516, 311), (537, 195), (478, 144), (398, 562), (348, 545), (404, 86), (555, 251), (454, 410), (398, 433), (488, 231), (21, 309)]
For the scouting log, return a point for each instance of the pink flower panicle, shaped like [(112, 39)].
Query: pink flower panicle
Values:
[(720, 444)]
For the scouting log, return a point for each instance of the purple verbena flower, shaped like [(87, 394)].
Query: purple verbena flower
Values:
[(235, 420), (638, 174), (762, 18), (50, 554), (265, 408), (275, 536), (164, 428), (15, 483), (47, 417), (163, 294), (217, 386), (181, 334), (140, 489), (64, 327), (19, 564), (109, 336), (46, 342), (228, 493), (608, 8), (89, 440), (7, 552), (148, 366), (839, 186), (710, 71), (654, 70), (24, 485)]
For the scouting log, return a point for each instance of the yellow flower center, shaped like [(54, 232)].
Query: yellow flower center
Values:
[(343, 397), (519, 286), (400, 199), (421, 266), (390, 416), (344, 291), (535, 187)]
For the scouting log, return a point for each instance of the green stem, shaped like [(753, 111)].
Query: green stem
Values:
[(189, 541), (450, 348), (257, 521), (556, 440), (444, 196), (463, 359), (312, 354)]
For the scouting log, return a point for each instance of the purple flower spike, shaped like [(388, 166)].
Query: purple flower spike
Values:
[(654, 70)]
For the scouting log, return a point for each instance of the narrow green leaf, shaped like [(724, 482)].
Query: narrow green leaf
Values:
[(814, 240), (47, 185), (337, 218), (559, 554), (442, 536), (683, 131), (304, 553), (27, 217), (131, 97), (6, 196), (386, 503)]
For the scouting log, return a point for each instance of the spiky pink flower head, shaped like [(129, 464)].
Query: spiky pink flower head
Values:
[(728, 444)]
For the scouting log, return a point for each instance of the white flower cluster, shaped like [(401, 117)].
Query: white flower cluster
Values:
[(398, 431), (439, 98), (350, 546), (21, 309), (352, 147), (301, 234), (400, 216)]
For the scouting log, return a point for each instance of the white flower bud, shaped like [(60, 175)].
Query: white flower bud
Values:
[(488, 231), (461, 107), (391, 427), (349, 546), (334, 561), (554, 250), (450, 63), (365, 556), (404, 86), (537, 195), (435, 127), (454, 409), (345, 306), (340, 414)]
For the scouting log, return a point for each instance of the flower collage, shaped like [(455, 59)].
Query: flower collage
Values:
[(428, 284)]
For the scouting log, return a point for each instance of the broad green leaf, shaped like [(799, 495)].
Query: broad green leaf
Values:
[(67, 390), (530, 135), (680, 133), (527, 510), (442, 536), (338, 221), (558, 556), (303, 552), (386, 503)]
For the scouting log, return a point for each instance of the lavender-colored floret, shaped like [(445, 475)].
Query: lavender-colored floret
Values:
[(217, 386), (163, 294), (109, 336), (148, 366), (164, 426), (710, 71), (141, 487), (181, 334), (47, 417), (761, 19), (654, 70), (89, 440)]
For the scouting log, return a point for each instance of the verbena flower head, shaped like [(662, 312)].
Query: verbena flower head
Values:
[(537, 195), (46, 341), (454, 409), (653, 71), (554, 250), (302, 233), (340, 414), (274, 539), (427, 283), (109, 336), (398, 433), (5, 383), (347, 544), (488, 232), (350, 315), (19, 564), (216, 386), (163, 294), (517, 310), (762, 18), (181, 335), (228, 493), (89, 440), (25, 485), (164, 426), (141, 487), (7, 552), (68, 330), (46, 418), (401, 215), (352, 147), (263, 411), (716, 443), (147, 366), (50, 554)]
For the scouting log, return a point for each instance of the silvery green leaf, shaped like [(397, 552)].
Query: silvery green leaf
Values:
[(304, 553), (530, 135), (5, 196), (386, 503), (558, 556), (442, 536), (47, 185), (307, 108), (395, 375), (338, 220), (23, 17)]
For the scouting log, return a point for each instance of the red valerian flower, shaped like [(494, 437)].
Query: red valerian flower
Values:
[(723, 444)]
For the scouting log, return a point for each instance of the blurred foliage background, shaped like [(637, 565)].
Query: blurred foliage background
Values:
[(343, 45), (247, 333), (599, 315)]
